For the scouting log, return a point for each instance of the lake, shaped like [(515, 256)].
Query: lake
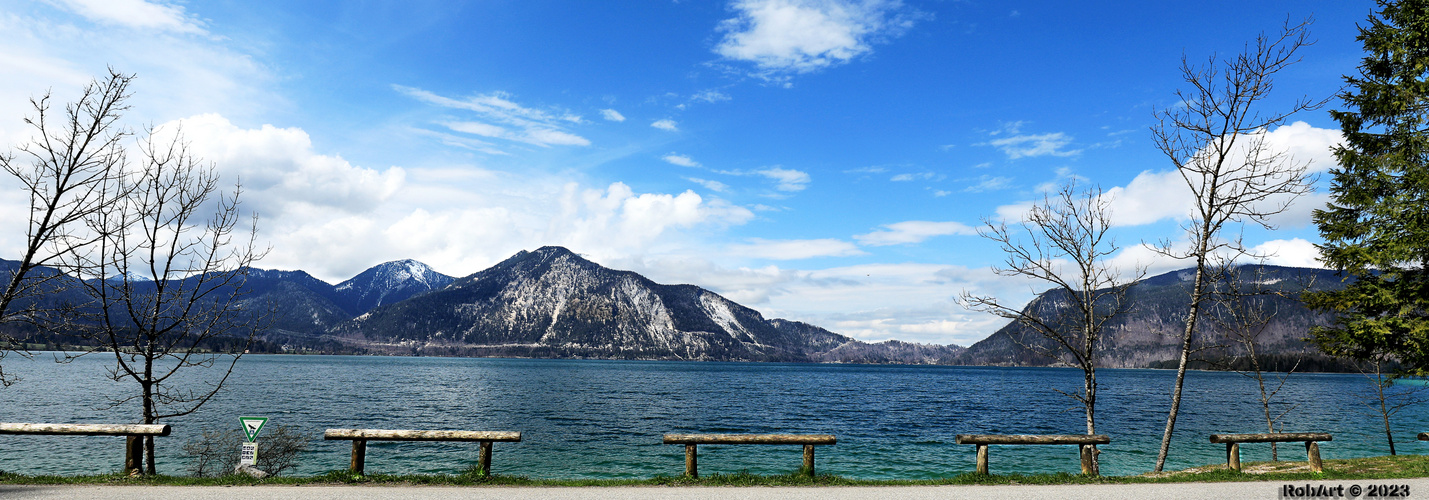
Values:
[(604, 419)]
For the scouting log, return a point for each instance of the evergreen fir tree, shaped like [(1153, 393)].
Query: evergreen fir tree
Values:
[(1376, 228)]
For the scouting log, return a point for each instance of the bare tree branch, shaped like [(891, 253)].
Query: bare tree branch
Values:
[(165, 281), (1066, 245), (1216, 136)]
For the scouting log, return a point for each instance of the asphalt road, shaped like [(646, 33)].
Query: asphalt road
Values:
[(1417, 488)]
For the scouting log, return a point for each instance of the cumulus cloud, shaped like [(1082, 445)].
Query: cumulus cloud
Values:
[(665, 124), (681, 160), (1154, 196), (1294, 252), (136, 14), (612, 115), (279, 168), (794, 249), (800, 36), (913, 231), (618, 219), (786, 179), (543, 128)]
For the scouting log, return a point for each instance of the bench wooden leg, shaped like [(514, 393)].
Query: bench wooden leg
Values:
[(1089, 465), (809, 459), (1233, 456), (359, 455), (982, 459), (483, 459), (1313, 450), (692, 462), (133, 454)]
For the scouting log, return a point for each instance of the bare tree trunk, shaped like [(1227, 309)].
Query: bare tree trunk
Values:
[(1191, 316), (1091, 404), (1264, 403), (1389, 436), (149, 413)]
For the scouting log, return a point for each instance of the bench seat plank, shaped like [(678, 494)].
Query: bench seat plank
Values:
[(816, 439), (1278, 437), (417, 435), (86, 429), (1080, 439)]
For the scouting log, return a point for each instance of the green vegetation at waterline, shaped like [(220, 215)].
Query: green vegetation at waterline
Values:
[(1386, 467), (1306, 363)]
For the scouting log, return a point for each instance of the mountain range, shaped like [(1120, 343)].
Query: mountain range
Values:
[(553, 303)]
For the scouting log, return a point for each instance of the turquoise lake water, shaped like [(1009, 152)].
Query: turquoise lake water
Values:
[(604, 419)]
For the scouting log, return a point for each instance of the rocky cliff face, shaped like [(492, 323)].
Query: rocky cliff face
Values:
[(389, 283), (553, 303), (1151, 331)]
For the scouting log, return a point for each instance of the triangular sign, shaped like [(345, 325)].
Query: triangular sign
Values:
[(252, 425)]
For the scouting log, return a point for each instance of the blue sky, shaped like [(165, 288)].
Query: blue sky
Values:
[(818, 160)]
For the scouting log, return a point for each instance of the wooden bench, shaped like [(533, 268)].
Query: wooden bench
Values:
[(692, 440), (1083, 441), (133, 433), (360, 437), (1233, 442)]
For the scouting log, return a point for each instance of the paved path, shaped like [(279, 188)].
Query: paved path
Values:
[(1418, 488)]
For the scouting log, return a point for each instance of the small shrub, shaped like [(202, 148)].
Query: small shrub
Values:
[(215, 453)]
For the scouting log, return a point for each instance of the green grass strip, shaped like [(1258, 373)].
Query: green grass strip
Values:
[(1386, 467)]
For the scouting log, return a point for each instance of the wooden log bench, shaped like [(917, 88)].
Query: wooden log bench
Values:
[(133, 434), (692, 440), (1083, 441), (360, 437), (1312, 449)]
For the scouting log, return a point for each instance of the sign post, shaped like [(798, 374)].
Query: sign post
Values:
[(251, 427)]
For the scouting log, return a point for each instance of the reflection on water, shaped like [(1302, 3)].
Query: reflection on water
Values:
[(603, 419)]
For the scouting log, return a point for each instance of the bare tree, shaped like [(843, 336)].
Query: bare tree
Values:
[(1216, 138), (1066, 246), (1385, 397), (165, 283), (69, 171), (1244, 306)]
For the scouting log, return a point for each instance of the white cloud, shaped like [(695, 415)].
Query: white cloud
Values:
[(665, 124), (1027, 146), (913, 231), (715, 186), (279, 168), (1154, 196), (759, 248), (800, 36), (1293, 252), (787, 179), (526, 125), (178, 74), (681, 160), (137, 14), (618, 220), (710, 96), (989, 183), (926, 176), (612, 115)]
